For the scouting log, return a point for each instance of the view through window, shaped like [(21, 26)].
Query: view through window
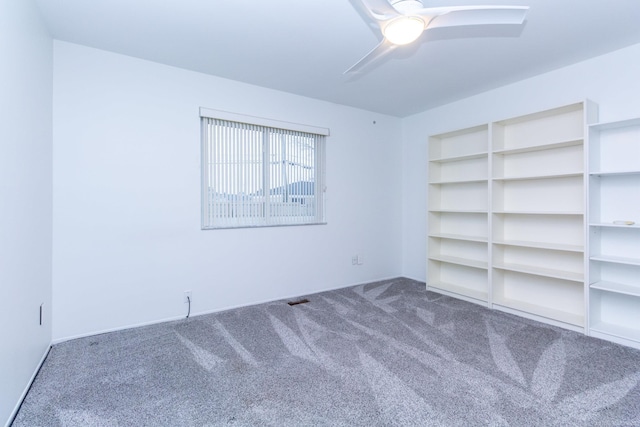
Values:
[(256, 175)]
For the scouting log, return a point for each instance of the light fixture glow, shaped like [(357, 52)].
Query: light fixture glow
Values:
[(403, 30)]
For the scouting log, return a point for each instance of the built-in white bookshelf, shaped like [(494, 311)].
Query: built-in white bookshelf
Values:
[(507, 214), (614, 248), (538, 215), (458, 220)]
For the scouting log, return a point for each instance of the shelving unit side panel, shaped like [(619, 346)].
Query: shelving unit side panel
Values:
[(594, 200), (433, 272), (594, 150), (591, 112)]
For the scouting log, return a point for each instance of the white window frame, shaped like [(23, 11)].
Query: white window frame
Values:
[(224, 210)]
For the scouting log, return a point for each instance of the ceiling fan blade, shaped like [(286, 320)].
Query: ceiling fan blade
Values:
[(378, 10), (454, 16), (377, 53)]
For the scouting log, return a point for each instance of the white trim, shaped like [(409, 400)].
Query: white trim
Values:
[(14, 413), (614, 338), (404, 276), (539, 318), (218, 310), (118, 328), (261, 121)]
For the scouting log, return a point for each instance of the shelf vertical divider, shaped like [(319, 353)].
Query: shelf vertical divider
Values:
[(591, 115), (490, 139)]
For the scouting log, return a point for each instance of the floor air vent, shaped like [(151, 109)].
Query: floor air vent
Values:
[(302, 301)]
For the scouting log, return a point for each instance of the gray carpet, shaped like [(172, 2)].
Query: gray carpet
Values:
[(382, 354)]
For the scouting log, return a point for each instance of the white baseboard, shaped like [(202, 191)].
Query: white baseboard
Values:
[(202, 313), (26, 389), (118, 328), (413, 278)]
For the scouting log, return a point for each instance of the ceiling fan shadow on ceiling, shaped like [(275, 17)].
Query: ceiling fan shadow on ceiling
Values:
[(402, 22)]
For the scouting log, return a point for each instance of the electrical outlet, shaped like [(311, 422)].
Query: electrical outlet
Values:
[(187, 297), (354, 260), (360, 260)]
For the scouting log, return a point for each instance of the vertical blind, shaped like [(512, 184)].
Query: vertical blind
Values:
[(255, 175)]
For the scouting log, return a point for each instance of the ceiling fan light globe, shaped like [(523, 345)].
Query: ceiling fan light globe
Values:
[(403, 30)]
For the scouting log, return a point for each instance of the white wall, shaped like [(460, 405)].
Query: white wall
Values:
[(25, 197), (610, 80), (127, 238)]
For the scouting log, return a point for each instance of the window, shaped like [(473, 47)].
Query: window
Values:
[(259, 172)]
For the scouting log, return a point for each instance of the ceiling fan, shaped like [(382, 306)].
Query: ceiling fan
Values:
[(403, 21)]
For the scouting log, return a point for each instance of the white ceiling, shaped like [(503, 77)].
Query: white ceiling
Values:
[(303, 46)]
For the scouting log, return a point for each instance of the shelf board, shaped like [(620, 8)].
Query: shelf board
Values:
[(635, 121), (538, 310), (535, 177), (539, 147), (615, 259), (540, 271), (623, 332), (458, 181), (484, 265), (460, 158), (615, 173), (459, 237), (468, 211), (459, 290), (618, 288), (612, 225), (502, 212), (540, 245)]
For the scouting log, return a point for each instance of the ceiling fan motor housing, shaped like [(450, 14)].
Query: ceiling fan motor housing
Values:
[(406, 6)]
